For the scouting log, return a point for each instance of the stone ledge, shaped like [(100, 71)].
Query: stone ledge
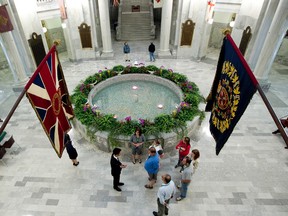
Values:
[(168, 140)]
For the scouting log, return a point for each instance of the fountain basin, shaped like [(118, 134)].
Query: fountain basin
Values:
[(136, 95)]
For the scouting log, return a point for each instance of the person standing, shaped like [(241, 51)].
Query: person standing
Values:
[(165, 193), (195, 154), (157, 145), (126, 50), (116, 167), (184, 148), (137, 140), (151, 50), (152, 166), (186, 177), (72, 152)]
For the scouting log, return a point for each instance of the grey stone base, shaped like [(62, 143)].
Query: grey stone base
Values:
[(168, 140)]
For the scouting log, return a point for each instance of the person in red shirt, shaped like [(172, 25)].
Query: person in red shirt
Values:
[(184, 148)]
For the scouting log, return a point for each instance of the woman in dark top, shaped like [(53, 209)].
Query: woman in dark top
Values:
[(71, 150), (137, 140), (116, 167)]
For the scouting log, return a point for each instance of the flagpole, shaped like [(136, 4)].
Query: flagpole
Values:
[(12, 110), (275, 118)]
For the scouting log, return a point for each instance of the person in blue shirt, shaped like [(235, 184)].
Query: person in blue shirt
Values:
[(126, 50), (152, 166)]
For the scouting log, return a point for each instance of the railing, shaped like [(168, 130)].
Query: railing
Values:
[(46, 5), (39, 2)]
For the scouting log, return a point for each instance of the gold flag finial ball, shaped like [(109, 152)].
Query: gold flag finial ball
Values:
[(226, 31), (57, 42)]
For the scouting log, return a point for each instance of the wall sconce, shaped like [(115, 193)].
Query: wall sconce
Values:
[(44, 29), (210, 21)]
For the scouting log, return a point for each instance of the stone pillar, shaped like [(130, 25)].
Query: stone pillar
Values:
[(105, 28), (248, 16), (197, 13), (165, 29), (15, 53), (71, 32), (79, 12), (68, 40), (176, 23), (14, 59), (94, 27), (272, 43), (29, 20), (259, 35)]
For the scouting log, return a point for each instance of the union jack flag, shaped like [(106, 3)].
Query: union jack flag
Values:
[(48, 95)]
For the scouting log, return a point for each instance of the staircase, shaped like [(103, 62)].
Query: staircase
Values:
[(135, 23)]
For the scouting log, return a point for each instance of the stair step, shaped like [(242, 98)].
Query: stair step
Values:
[(136, 25)]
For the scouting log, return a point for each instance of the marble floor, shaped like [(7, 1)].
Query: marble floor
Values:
[(248, 178)]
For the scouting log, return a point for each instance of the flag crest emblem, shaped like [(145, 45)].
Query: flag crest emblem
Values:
[(227, 98)]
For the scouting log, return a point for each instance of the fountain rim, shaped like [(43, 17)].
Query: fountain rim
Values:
[(136, 77)]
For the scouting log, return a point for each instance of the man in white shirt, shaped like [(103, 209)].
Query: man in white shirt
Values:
[(165, 193)]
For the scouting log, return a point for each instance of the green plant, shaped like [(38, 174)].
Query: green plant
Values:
[(118, 68), (178, 78), (95, 121), (164, 123), (152, 68), (142, 70)]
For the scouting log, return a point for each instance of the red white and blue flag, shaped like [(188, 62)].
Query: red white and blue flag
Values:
[(48, 95)]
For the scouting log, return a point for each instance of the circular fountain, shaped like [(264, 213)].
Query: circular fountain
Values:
[(136, 95)]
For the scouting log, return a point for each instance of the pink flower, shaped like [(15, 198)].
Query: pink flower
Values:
[(128, 118), (184, 104), (82, 87), (142, 121)]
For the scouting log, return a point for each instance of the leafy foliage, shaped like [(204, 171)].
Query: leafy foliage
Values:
[(94, 120)]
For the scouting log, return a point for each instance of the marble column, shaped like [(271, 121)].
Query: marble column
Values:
[(15, 53), (259, 35), (248, 15), (105, 28), (201, 36), (93, 12), (272, 43), (165, 29)]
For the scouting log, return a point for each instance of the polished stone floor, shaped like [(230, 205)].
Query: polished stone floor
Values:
[(248, 178)]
